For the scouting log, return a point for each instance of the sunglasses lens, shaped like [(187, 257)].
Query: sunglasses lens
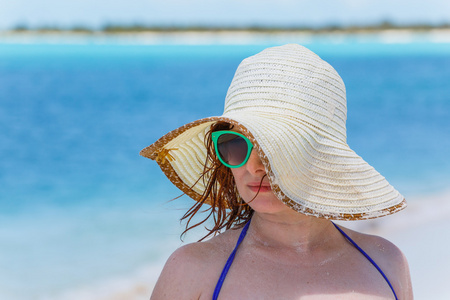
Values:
[(232, 148)]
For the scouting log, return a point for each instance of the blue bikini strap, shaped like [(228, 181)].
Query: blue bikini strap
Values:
[(229, 262), (368, 257)]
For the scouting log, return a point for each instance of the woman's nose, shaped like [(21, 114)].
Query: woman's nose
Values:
[(254, 164)]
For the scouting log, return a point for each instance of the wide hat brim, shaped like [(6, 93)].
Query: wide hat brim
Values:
[(349, 189)]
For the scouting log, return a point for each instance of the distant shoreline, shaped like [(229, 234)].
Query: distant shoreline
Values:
[(136, 28), (223, 36)]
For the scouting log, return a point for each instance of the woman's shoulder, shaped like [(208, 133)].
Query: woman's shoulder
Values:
[(194, 268), (388, 257), (375, 244), (208, 251), (378, 248)]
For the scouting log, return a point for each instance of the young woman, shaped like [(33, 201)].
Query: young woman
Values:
[(274, 170)]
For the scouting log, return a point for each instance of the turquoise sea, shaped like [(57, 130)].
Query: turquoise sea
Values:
[(79, 206)]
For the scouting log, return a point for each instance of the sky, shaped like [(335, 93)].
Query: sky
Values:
[(97, 13)]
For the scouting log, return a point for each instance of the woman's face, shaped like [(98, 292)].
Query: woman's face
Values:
[(248, 181)]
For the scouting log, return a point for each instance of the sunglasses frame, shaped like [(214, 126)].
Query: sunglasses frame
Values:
[(215, 137)]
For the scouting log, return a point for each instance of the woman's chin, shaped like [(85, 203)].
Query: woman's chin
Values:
[(267, 203)]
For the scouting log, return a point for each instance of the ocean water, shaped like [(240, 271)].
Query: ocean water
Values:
[(79, 206)]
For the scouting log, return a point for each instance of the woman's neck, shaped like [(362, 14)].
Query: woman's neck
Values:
[(294, 231)]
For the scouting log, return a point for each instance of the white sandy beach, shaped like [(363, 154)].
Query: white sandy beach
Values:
[(226, 37)]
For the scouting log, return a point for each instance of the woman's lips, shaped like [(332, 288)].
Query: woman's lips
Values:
[(255, 187)]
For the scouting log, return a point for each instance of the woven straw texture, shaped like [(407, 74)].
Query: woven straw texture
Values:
[(292, 106)]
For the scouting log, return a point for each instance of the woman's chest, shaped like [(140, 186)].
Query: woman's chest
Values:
[(253, 278)]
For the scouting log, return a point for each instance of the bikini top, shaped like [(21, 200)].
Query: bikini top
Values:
[(244, 232)]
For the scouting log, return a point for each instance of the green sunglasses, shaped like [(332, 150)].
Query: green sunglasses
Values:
[(232, 148)]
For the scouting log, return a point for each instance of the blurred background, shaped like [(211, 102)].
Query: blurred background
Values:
[(84, 86), (232, 13)]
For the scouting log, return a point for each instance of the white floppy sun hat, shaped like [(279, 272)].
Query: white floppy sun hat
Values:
[(292, 106)]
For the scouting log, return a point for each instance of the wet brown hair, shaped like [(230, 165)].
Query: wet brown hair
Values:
[(225, 205)]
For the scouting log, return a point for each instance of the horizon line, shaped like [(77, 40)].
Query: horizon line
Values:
[(137, 27)]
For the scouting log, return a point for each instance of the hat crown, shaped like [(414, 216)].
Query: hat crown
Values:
[(292, 82)]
